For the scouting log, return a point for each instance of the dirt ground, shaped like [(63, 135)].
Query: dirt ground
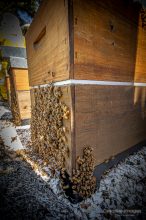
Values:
[(24, 195)]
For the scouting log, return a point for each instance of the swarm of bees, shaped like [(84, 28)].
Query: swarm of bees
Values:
[(84, 182), (47, 129), (15, 109), (143, 17), (50, 142), (13, 139)]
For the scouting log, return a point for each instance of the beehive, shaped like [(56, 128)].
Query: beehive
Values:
[(95, 51), (13, 52), (20, 95)]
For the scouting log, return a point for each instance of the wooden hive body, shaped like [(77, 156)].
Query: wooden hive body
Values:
[(95, 51), (20, 95)]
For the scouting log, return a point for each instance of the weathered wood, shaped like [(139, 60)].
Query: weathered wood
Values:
[(85, 40), (67, 99), (21, 79), (48, 43), (93, 40), (108, 119), (20, 94), (24, 104), (105, 40), (140, 65)]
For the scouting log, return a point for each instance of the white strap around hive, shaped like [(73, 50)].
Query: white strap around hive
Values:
[(92, 82)]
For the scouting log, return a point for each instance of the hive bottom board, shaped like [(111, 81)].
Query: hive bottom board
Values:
[(110, 119)]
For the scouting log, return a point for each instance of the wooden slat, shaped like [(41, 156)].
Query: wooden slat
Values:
[(8, 83), (24, 104), (105, 40), (140, 66), (66, 98), (21, 79), (51, 52), (109, 119)]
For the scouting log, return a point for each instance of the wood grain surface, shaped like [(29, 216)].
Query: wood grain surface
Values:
[(21, 79), (24, 104), (108, 119), (83, 39), (140, 69), (48, 43), (19, 86), (68, 124), (105, 40)]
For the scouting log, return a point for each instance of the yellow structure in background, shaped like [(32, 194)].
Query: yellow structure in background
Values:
[(10, 37), (10, 32)]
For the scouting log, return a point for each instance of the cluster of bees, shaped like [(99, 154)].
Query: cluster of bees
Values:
[(143, 17), (50, 143), (2, 149), (15, 109), (84, 182), (47, 130)]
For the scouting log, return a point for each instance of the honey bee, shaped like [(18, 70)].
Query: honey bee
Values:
[(47, 127), (83, 181)]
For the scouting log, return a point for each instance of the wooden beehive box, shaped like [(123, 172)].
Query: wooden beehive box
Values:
[(20, 95), (95, 51)]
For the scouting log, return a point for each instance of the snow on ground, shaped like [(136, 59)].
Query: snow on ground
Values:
[(24, 135), (121, 193), (4, 110), (8, 131), (9, 135)]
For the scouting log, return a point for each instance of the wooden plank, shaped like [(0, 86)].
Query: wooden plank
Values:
[(72, 131), (105, 40), (48, 57), (140, 67), (108, 119), (24, 104), (67, 99), (71, 38), (8, 84), (21, 79)]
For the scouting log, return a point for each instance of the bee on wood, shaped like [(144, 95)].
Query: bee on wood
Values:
[(13, 139), (47, 128), (83, 181)]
